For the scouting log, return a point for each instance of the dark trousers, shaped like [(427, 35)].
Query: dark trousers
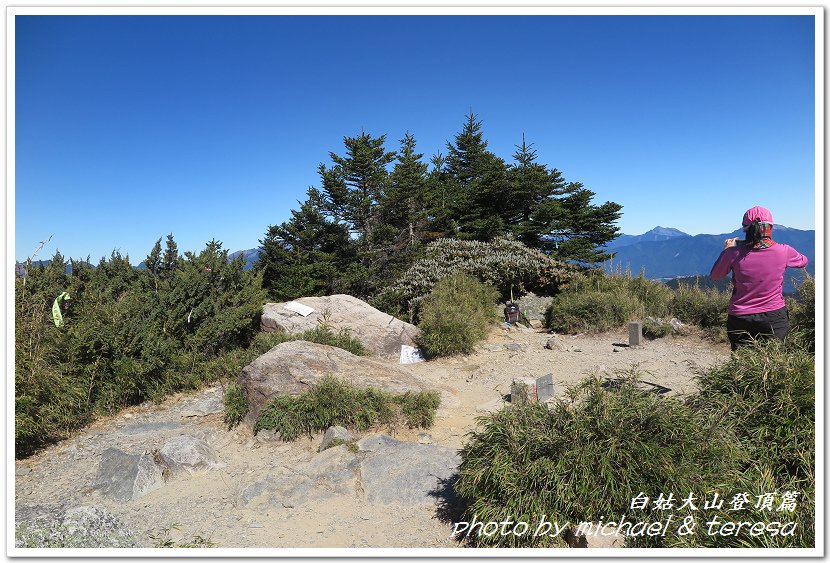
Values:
[(741, 329)]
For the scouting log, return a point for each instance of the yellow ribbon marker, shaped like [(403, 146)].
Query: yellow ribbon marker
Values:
[(56, 309)]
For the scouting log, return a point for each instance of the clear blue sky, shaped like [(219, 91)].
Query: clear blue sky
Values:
[(132, 127)]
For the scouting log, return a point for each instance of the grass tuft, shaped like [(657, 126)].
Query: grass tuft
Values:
[(332, 402)]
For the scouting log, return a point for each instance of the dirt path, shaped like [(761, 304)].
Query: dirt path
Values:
[(208, 503)]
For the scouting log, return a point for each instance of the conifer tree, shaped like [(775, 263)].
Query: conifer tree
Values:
[(305, 255)]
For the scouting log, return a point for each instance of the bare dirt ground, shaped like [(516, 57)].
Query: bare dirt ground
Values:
[(207, 503)]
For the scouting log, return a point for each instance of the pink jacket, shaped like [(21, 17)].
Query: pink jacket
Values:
[(757, 276)]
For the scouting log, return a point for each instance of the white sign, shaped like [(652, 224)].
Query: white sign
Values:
[(411, 355), (299, 308)]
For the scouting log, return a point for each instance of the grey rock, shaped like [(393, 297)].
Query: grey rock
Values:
[(555, 344), (145, 427), (514, 347), (533, 306), (266, 436), (207, 403), (335, 469), (188, 454), (404, 472), (381, 333), (78, 527), (124, 476), (424, 438), (281, 487), (22, 470), (291, 367), (335, 433)]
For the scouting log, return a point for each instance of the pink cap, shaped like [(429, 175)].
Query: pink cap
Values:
[(762, 214)]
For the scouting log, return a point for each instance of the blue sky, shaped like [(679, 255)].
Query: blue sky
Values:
[(128, 128)]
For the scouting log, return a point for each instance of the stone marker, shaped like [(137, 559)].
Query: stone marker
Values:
[(635, 334), (544, 387)]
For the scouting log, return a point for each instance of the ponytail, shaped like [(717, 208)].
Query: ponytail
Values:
[(754, 233)]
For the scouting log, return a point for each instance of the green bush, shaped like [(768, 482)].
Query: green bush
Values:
[(765, 396), (128, 334), (586, 457), (332, 402), (236, 407), (749, 429), (803, 314), (653, 328), (594, 301), (592, 311), (455, 316), (705, 307)]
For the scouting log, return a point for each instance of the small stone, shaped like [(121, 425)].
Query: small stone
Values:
[(22, 470), (424, 438), (535, 323), (514, 347), (255, 525), (577, 349)]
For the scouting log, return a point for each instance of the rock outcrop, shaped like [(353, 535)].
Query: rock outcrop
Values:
[(291, 367), (78, 527), (380, 333), (382, 470), (404, 472)]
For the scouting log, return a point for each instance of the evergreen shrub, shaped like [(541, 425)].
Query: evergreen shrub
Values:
[(803, 314), (764, 395), (504, 263), (455, 316)]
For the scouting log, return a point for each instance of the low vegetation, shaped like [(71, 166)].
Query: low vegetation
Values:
[(586, 457), (749, 430), (332, 402), (595, 302), (456, 315)]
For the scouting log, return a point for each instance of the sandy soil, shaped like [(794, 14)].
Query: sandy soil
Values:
[(207, 503)]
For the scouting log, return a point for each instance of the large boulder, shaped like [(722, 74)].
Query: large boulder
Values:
[(380, 333), (291, 367)]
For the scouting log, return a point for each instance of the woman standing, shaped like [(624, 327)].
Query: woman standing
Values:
[(757, 308)]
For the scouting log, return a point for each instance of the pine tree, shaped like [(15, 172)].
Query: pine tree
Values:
[(305, 255), (477, 186), (171, 255), (403, 206), (354, 185), (153, 261)]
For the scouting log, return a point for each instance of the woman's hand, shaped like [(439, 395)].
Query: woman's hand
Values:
[(730, 242)]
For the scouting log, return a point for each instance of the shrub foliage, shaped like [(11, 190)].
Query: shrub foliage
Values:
[(128, 334), (455, 316), (504, 263), (585, 458)]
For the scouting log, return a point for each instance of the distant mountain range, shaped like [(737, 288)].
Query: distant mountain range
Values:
[(666, 253)]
